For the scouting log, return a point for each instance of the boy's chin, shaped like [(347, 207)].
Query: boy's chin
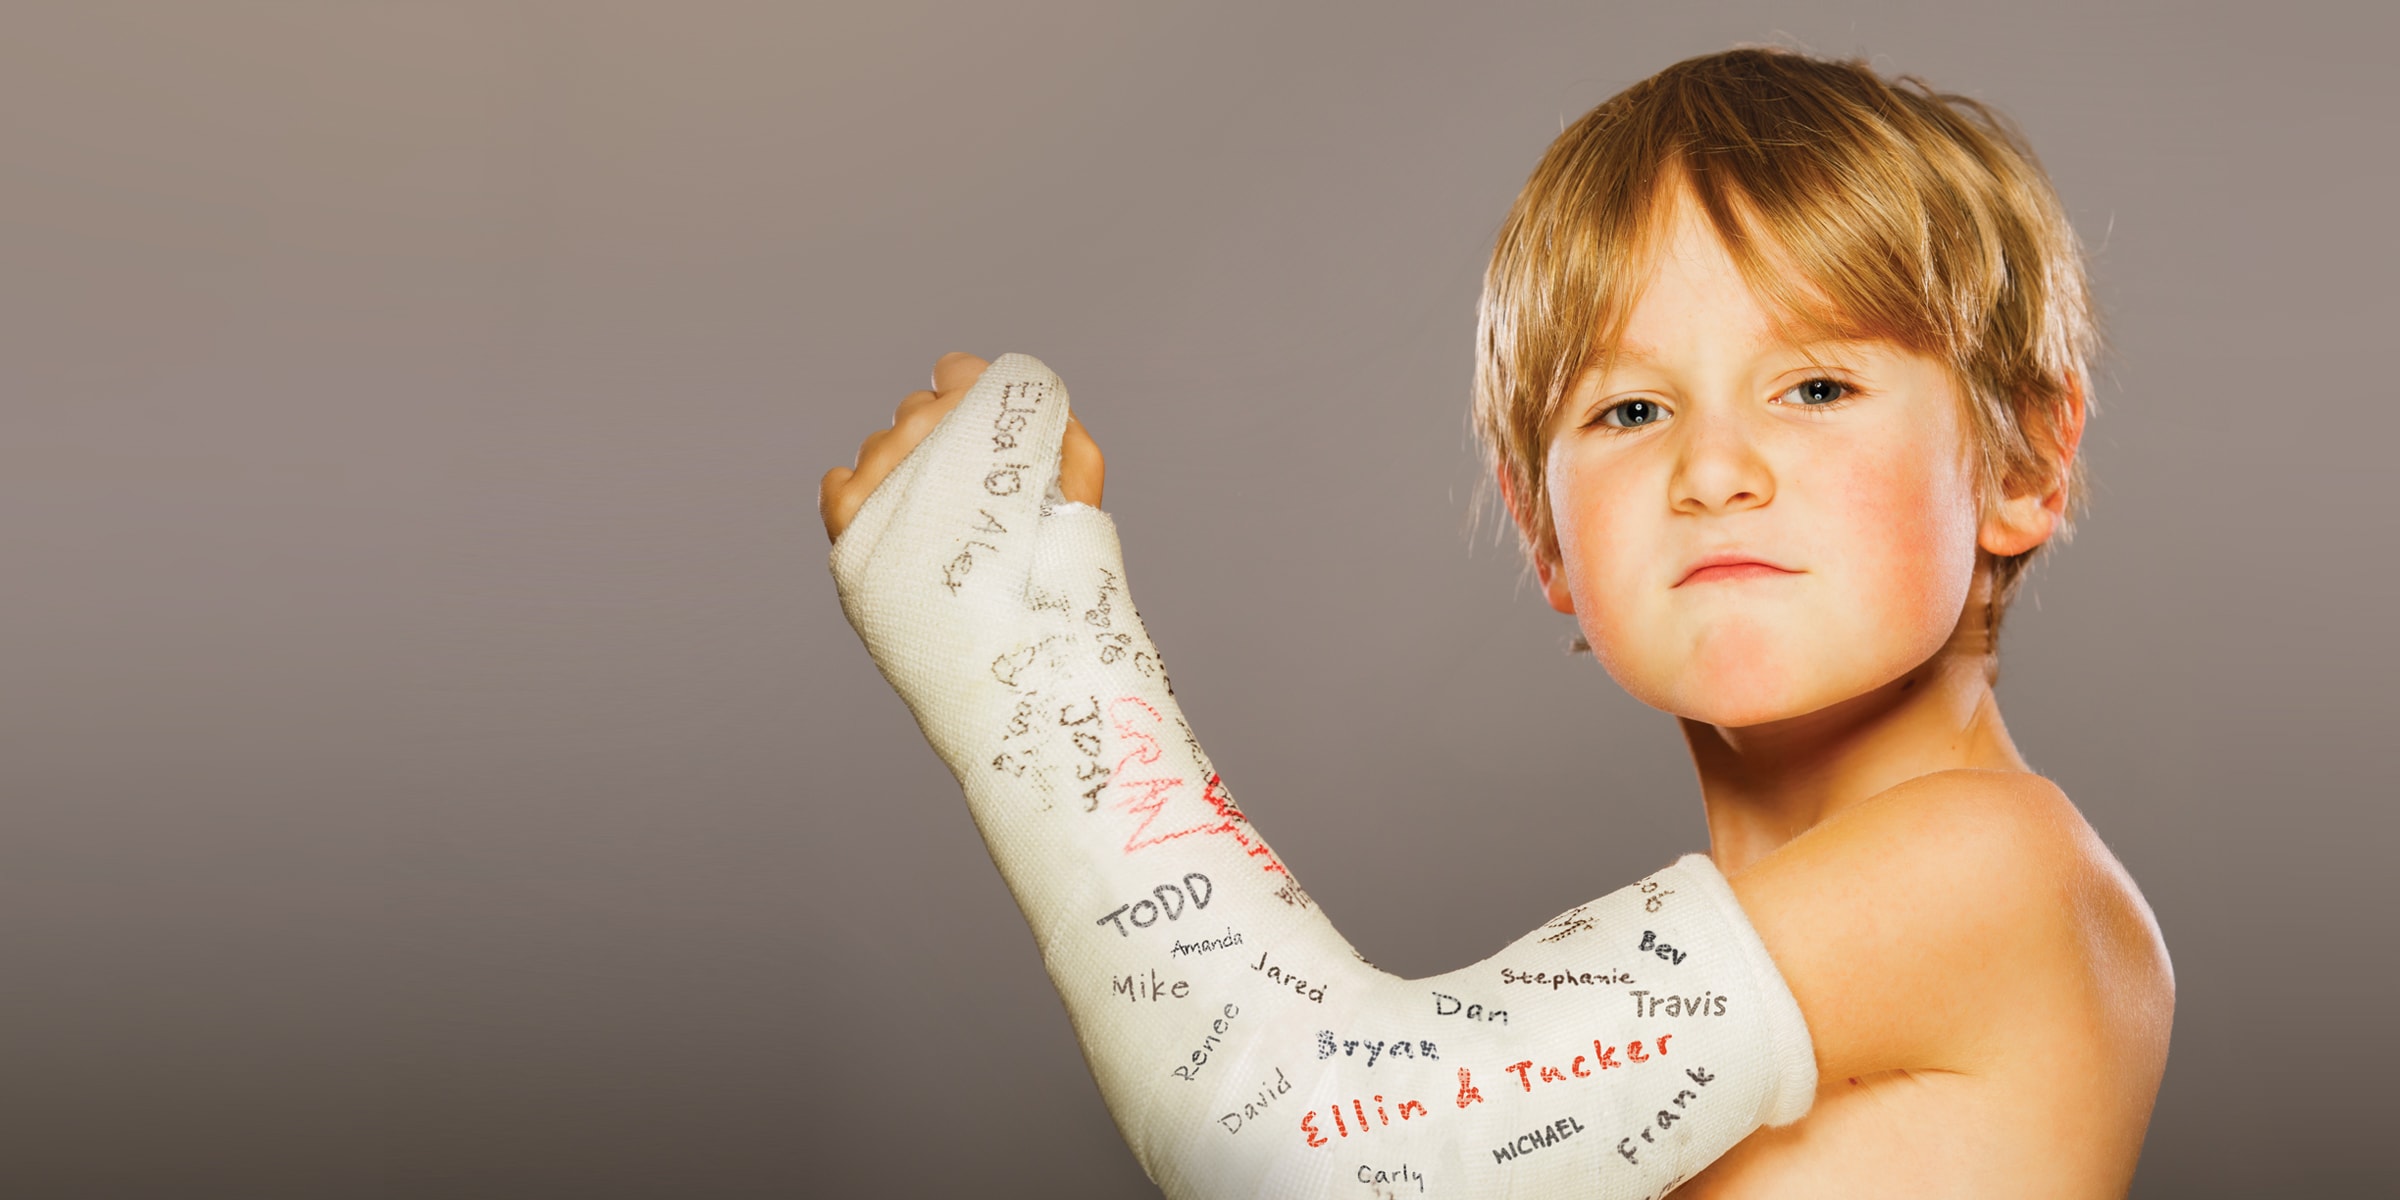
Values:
[(1755, 692), (1736, 712)]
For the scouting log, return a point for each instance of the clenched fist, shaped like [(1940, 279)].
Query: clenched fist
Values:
[(1080, 474)]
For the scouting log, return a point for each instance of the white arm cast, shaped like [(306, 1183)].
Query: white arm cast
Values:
[(1244, 1048)]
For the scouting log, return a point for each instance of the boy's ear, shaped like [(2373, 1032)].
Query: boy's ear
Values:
[(1554, 581), (2022, 521), (1545, 559)]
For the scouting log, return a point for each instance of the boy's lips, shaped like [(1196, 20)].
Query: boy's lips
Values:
[(1730, 565)]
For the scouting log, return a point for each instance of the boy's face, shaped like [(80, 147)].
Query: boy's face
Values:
[(1838, 500)]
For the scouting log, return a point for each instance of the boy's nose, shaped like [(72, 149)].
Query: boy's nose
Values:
[(1720, 470)]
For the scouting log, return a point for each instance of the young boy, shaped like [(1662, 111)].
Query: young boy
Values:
[(1782, 369)]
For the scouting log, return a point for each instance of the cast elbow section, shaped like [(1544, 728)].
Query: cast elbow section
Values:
[(1622, 1047)]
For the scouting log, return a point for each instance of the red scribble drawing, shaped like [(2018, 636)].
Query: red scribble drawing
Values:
[(1233, 823), (1149, 798)]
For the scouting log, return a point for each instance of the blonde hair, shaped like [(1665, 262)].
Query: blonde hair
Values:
[(1855, 207)]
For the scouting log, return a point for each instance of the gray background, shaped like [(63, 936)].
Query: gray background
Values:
[(431, 757)]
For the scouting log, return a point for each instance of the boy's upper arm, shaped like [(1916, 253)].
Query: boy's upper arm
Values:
[(1939, 924)]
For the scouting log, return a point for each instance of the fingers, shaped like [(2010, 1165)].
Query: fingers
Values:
[(1081, 470), (999, 458), (834, 506), (957, 371), (913, 402), (916, 416), (999, 444), (843, 490)]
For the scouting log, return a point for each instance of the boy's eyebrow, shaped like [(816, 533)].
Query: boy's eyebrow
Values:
[(1640, 355), (1624, 354), (1839, 343)]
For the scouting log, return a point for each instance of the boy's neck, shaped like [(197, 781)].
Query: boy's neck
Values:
[(1764, 785)]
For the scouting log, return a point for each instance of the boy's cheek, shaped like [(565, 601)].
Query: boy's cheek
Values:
[(1612, 569), (1910, 556), (1585, 541), (1618, 613)]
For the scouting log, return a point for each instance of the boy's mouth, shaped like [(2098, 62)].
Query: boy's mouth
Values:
[(1730, 566)]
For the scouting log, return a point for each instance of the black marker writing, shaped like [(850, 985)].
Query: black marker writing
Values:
[(1169, 900)]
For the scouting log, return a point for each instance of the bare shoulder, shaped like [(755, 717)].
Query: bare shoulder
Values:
[(2011, 843), (2051, 896), (1981, 900), (1980, 978)]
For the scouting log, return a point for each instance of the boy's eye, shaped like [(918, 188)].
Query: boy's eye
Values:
[(1629, 413), (1820, 391)]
